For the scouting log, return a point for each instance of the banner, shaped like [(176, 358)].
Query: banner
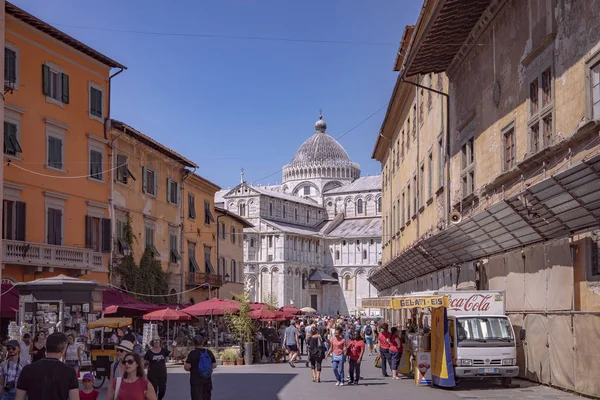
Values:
[(377, 302), (412, 302), (442, 370)]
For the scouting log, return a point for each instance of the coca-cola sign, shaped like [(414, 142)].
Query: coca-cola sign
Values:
[(474, 303)]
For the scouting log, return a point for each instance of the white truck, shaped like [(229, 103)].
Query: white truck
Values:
[(482, 339)]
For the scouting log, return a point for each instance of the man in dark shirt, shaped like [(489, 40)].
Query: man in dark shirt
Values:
[(49, 378), (201, 387)]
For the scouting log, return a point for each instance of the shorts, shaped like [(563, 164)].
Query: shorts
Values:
[(369, 340), (72, 363), (292, 348), (394, 360)]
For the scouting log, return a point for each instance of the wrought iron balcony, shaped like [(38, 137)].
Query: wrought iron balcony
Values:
[(45, 255), (201, 278)]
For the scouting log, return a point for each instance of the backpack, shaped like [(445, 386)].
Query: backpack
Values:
[(205, 364), (368, 330)]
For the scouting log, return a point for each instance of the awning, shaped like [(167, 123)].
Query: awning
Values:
[(114, 300), (319, 276), (399, 303), (9, 301), (377, 302), (555, 207)]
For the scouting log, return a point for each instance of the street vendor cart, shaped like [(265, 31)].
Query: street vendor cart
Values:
[(104, 353)]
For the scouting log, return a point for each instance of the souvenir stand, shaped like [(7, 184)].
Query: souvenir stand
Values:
[(59, 304)]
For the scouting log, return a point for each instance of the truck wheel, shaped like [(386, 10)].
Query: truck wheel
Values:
[(506, 382)]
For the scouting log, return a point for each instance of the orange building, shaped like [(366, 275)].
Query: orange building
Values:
[(56, 217)]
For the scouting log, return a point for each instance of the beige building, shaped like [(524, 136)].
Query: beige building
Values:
[(230, 252), (515, 205)]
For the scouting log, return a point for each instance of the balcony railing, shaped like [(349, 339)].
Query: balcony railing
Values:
[(200, 278), (46, 255)]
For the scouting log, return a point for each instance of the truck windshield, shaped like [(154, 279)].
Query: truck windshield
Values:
[(490, 330)]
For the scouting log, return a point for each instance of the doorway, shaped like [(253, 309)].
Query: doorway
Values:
[(313, 301)]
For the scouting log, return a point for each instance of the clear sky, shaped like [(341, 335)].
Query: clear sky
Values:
[(228, 103)]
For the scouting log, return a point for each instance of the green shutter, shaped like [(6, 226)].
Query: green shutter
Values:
[(168, 190), (45, 80), (155, 184), (144, 184), (65, 88)]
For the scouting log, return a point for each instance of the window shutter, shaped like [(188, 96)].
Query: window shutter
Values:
[(50, 228), (192, 207), (155, 184), (144, 185), (168, 190), (58, 149), (45, 80), (21, 208), (65, 88), (106, 234), (178, 194), (88, 231), (58, 227)]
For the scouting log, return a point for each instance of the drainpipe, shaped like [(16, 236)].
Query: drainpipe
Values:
[(106, 128), (391, 197), (186, 174), (218, 239)]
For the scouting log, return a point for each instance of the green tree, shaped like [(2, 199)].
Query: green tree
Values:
[(272, 301)]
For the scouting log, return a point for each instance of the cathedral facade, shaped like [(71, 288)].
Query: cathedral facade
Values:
[(317, 236)]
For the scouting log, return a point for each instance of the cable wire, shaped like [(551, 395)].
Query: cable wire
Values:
[(155, 295), (65, 177)]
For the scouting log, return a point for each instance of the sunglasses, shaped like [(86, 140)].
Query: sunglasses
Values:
[(10, 348), (128, 362)]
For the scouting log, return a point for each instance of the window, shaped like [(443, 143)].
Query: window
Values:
[(508, 138), (347, 282), (192, 264), (221, 267), (123, 246), (96, 165), (252, 242), (208, 217), (174, 255), (414, 125), (222, 230), (541, 109), (270, 209), (408, 198), (306, 190), (11, 139), (54, 225), (123, 172), (284, 212), (421, 184), (379, 205), (55, 152), (149, 230), (421, 106), (98, 233), (394, 227), (398, 153), (402, 143), (429, 175), (402, 217), (441, 159), (343, 242), (233, 276), (209, 269), (595, 91), (270, 241), (337, 254), (13, 220), (358, 242), (364, 254), (307, 216), (11, 66), (172, 192), (408, 134), (191, 206), (295, 214), (415, 195), (468, 167), (359, 207), (96, 101), (149, 181), (233, 234), (372, 242), (55, 84), (242, 209)]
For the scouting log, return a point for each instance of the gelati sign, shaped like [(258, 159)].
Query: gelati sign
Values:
[(420, 301)]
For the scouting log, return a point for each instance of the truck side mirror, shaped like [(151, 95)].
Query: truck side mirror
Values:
[(522, 335)]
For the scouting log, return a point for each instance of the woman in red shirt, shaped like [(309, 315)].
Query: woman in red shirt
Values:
[(395, 352), (133, 385), (356, 349), (338, 349), (384, 348)]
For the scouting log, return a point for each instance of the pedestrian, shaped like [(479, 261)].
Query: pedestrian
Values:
[(49, 378), (156, 359), (88, 392), (129, 336), (200, 363), (10, 369), (375, 337), (384, 348), (317, 353), (356, 350), (338, 350), (368, 335), (395, 352), (132, 385), (302, 337), (116, 368), (73, 355), (290, 341), (38, 347)]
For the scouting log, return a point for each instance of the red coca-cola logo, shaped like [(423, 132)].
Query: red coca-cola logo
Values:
[(476, 302)]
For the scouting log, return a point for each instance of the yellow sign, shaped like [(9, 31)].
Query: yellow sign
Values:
[(413, 302), (377, 302), (438, 345)]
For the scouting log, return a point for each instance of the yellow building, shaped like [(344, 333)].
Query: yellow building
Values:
[(230, 252), (56, 217), (148, 193), (199, 246)]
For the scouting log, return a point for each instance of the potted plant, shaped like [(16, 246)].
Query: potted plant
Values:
[(229, 356), (240, 360), (243, 326), (217, 354)]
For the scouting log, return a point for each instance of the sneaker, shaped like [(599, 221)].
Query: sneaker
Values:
[(356, 383), (351, 383), (337, 384), (341, 383), (292, 364)]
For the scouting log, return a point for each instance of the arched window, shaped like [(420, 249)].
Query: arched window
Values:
[(337, 254), (242, 210), (307, 216), (359, 206), (270, 209), (252, 242), (347, 282), (304, 280), (233, 271), (364, 254), (379, 205)]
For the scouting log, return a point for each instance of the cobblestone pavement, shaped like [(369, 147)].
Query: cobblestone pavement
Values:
[(282, 382)]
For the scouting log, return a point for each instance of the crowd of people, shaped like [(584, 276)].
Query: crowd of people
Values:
[(344, 340)]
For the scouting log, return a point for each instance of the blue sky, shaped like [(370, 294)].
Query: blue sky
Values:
[(233, 103)]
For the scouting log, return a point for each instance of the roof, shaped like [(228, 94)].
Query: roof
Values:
[(318, 275), (40, 25), (206, 181), (292, 228), (406, 36), (148, 141), (364, 184), (357, 227), (273, 191), (241, 220)]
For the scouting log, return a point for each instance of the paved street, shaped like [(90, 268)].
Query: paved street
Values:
[(280, 381)]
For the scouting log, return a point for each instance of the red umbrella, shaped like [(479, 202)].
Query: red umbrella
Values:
[(212, 307), (263, 314), (257, 306), (290, 310), (168, 314), (283, 316)]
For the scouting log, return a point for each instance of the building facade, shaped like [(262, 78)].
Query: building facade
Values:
[(148, 194), (200, 245), (517, 208), (56, 215), (316, 237)]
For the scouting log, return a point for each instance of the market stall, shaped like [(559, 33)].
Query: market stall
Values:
[(167, 314)]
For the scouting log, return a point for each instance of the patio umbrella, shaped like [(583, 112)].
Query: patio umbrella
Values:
[(308, 310), (283, 316), (212, 307), (167, 314), (290, 310), (263, 314)]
